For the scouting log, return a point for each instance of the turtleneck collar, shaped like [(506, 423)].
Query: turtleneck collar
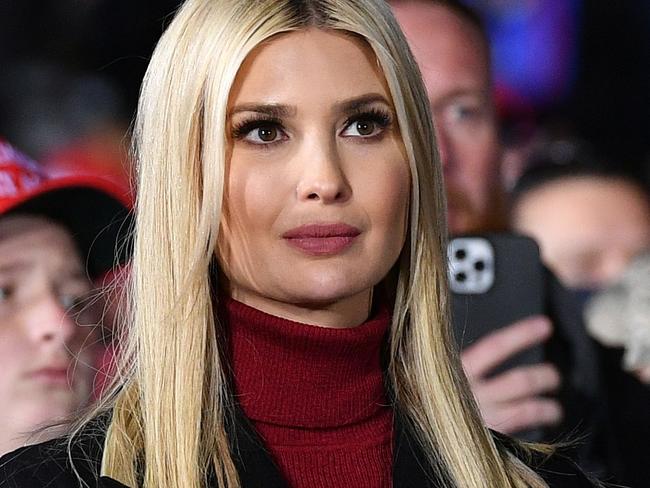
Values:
[(304, 376)]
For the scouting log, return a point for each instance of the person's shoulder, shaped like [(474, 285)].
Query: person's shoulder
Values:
[(553, 464), (43, 464), (63, 462)]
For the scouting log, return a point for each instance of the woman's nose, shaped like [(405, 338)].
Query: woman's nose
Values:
[(322, 177)]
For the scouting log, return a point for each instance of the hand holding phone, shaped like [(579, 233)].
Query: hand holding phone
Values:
[(498, 299), (514, 400)]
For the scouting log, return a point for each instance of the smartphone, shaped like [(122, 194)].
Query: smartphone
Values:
[(495, 280)]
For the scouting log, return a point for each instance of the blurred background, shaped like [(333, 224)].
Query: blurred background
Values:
[(70, 72), (567, 73)]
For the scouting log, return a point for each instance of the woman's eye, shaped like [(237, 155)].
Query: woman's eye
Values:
[(264, 134), (364, 127), (260, 133)]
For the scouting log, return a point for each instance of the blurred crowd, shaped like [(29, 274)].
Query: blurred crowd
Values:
[(569, 170)]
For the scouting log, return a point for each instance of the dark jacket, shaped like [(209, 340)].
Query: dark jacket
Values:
[(48, 464)]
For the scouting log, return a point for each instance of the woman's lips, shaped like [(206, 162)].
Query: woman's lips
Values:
[(322, 239)]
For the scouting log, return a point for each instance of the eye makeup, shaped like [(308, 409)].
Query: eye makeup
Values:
[(252, 122), (381, 118), (271, 129)]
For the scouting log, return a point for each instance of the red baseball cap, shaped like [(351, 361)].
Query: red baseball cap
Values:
[(94, 210)]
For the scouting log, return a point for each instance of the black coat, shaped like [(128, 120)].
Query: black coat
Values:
[(47, 464)]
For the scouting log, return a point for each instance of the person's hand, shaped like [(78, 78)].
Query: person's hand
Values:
[(513, 400)]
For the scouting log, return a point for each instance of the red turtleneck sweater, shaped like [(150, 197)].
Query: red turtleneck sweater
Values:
[(316, 397)]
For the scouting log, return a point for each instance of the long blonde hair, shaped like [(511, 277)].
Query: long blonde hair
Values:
[(170, 400)]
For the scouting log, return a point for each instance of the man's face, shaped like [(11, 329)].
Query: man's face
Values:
[(454, 62), (45, 358)]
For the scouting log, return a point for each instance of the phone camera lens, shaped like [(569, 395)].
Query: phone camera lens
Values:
[(461, 254), (479, 265), (461, 277)]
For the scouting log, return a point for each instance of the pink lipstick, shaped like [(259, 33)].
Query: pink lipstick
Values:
[(322, 239)]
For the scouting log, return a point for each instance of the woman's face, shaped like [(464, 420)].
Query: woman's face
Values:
[(318, 182)]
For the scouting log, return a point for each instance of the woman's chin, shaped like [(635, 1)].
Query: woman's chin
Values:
[(322, 292)]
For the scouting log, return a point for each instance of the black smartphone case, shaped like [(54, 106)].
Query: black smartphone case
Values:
[(517, 291), (511, 286)]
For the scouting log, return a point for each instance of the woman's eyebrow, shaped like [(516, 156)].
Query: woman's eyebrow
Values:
[(274, 110), (357, 103), (278, 110)]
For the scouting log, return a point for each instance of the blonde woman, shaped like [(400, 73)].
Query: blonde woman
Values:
[(289, 316)]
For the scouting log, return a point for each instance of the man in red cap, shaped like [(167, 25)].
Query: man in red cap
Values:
[(56, 236)]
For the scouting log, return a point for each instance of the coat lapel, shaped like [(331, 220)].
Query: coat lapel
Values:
[(409, 462), (106, 482), (256, 468), (254, 464)]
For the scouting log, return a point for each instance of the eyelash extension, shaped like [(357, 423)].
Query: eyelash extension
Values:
[(240, 130), (380, 117)]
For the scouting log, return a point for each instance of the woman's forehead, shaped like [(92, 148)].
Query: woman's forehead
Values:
[(297, 66)]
